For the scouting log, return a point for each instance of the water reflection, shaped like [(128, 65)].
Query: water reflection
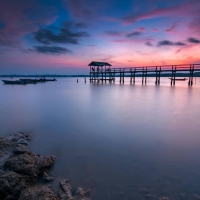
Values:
[(122, 141)]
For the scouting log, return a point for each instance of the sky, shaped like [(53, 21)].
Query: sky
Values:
[(64, 36)]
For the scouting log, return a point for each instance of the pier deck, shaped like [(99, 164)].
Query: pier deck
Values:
[(102, 72)]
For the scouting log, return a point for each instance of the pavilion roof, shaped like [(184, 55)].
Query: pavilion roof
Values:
[(94, 63)]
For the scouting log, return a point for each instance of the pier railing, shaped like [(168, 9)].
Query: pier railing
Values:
[(109, 74)]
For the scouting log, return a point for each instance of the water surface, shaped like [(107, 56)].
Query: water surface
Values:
[(121, 141)]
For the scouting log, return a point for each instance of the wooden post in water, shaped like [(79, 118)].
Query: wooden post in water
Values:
[(131, 75), (120, 77), (90, 75), (174, 75), (123, 75), (114, 76), (156, 77), (145, 81), (142, 75), (134, 76), (190, 82)]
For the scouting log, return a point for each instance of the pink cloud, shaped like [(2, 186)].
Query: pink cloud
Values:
[(154, 30), (185, 9), (141, 29), (22, 17), (172, 28), (85, 10)]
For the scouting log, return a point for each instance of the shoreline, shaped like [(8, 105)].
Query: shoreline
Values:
[(20, 170)]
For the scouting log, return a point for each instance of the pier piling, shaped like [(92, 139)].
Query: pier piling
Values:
[(102, 72)]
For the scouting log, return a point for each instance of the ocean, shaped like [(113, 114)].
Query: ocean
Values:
[(122, 141)]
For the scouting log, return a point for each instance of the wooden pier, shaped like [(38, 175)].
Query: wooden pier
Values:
[(102, 72)]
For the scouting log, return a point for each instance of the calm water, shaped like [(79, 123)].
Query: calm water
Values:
[(121, 141)]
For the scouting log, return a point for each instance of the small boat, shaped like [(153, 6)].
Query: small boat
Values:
[(27, 80), (13, 82), (45, 80), (50, 79), (178, 79)]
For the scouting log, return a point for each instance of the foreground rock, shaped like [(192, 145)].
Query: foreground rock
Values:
[(20, 169)]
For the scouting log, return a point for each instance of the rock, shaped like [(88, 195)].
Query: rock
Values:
[(11, 185), (21, 149), (44, 162), (66, 188), (62, 195), (80, 193), (46, 177), (28, 163), (196, 196), (38, 193), (20, 168), (163, 198), (22, 164), (22, 141)]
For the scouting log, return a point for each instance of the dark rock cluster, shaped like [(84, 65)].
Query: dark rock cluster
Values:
[(20, 169)]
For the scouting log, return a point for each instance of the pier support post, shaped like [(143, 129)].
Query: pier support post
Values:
[(90, 75), (131, 75), (156, 76), (142, 75), (190, 82), (145, 81), (173, 76), (120, 76)]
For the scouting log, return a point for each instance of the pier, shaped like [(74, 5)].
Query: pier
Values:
[(103, 72)]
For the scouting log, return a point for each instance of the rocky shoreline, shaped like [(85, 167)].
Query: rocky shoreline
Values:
[(20, 170)]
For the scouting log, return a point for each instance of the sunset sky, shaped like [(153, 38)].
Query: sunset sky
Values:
[(64, 36)]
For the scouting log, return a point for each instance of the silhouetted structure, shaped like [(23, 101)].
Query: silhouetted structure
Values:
[(102, 71)]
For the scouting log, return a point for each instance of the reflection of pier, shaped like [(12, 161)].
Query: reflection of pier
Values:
[(102, 72)]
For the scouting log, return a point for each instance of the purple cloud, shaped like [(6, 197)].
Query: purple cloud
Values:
[(22, 17), (65, 35), (172, 28), (193, 40), (82, 9), (133, 34), (51, 50), (185, 9), (170, 43), (141, 29), (113, 33)]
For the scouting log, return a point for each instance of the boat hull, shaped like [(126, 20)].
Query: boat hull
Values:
[(29, 80), (16, 82), (178, 79)]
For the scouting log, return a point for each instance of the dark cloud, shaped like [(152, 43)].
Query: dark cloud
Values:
[(193, 40), (179, 44), (141, 29), (18, 18), (149, 44), (170, 43), (51, 50), (65, 35), (73, 25), (112, 33), (82, 9), (2, 25), (133, 34), (172, 28), (182, 8), (81, 25)]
